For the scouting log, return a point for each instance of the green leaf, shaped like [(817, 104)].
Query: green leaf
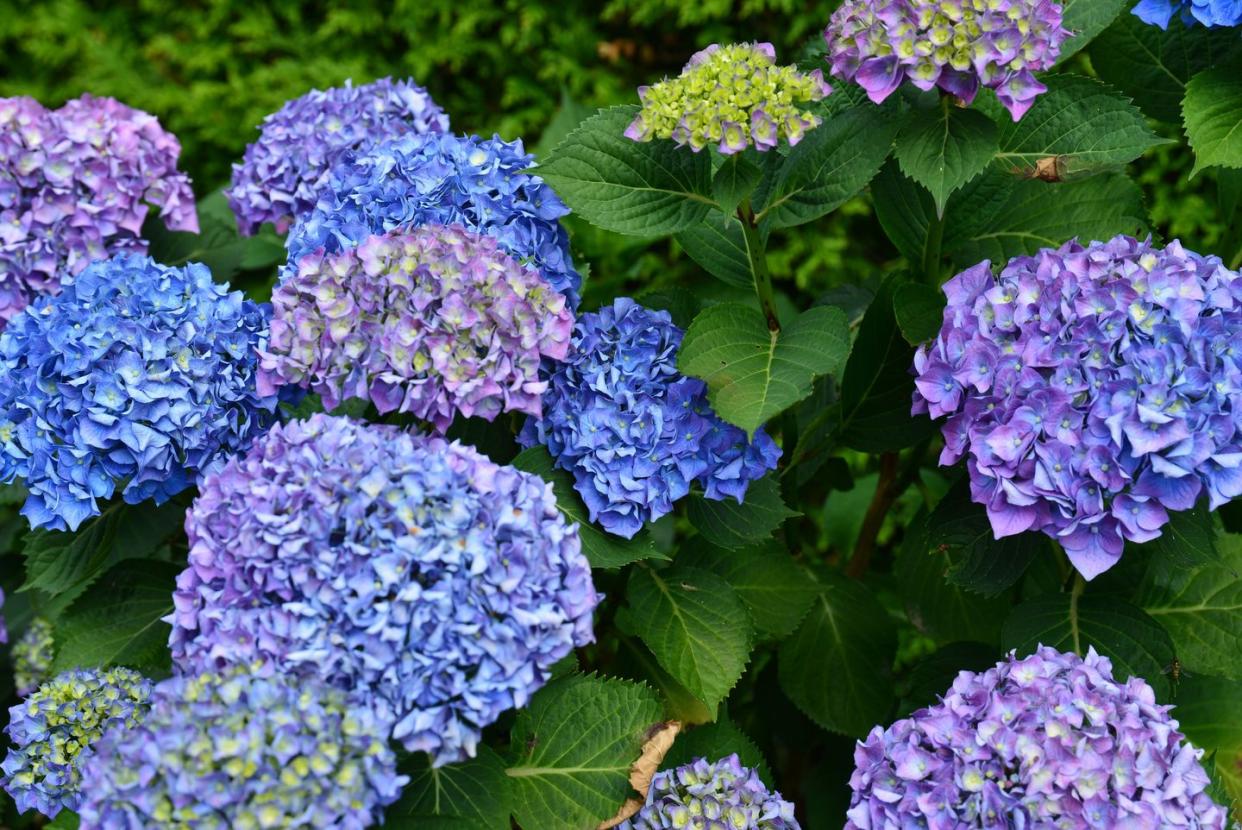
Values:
[(65, 820), (734, 181), (877, 386), (217, 245), (920, 311), (642, 189), (696, 626), (1207, 711), (1212, 115), (1136, 644), (119, 620), (60, 562), (568, 116), (998, 216), (943, 147), (1189, 539), (1201, 607), (837, 666), (828, 167), (1153, 65), (942, 610), (602, 549), (731, 525), (719, 246), (776, 591), (472, 794), (573, 747), (714, 741), (1084, 124), (1086, 19), (752, 373), (960, 530)]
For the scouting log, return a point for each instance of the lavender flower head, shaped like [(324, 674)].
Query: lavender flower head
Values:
[(54, 729), (1092, 389), (732, 97), (412, 573), (956, 45), (442, 179), (634, 431), (704, 795), (281, 175), (75, 186), (434, 321), (1050, 740), (1190, 12), (138, 375), (238, 751), (32, 656)]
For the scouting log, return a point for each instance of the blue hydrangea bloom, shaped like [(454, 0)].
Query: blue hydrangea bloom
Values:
[(54, 729), (712, 796), (634, 431), (137, 375), (1052, 740), (415, 574), (1203, 12), (478, 183), (281, 174), (237, 751), (1091, 389)]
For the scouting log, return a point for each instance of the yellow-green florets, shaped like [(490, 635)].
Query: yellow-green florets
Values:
[(733, 97)]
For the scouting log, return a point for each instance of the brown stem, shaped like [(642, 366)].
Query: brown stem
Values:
[(886, 492)]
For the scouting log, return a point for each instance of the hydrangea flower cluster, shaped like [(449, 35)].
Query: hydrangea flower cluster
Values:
[(54, 728), (1092, 389), (1190, 12), (32, 656), (1050, 740), (732, 97), (75, 185), (434, 321), (634, 431), (281, 175), (237, 751), (448, 180), (413, 573), (138, 375), (956, 45), (705, 795)]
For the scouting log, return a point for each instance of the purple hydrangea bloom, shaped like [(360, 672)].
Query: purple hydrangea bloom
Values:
[(1051, 740), (434, 321), (445, 179), (32, 655), (413, 573), (730, 97), (956, 46), (1190, 12), (54, 729), (1092, 389), (634, 431), (281, 175), (709, 796), (239, 751), (138, 375), (75, 186)]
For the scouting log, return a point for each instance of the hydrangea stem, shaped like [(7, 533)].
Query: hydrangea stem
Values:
[(758, 258)]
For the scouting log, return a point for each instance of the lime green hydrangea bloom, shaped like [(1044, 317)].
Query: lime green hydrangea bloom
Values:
[(733, 97), (32, 656), (54, 729)]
